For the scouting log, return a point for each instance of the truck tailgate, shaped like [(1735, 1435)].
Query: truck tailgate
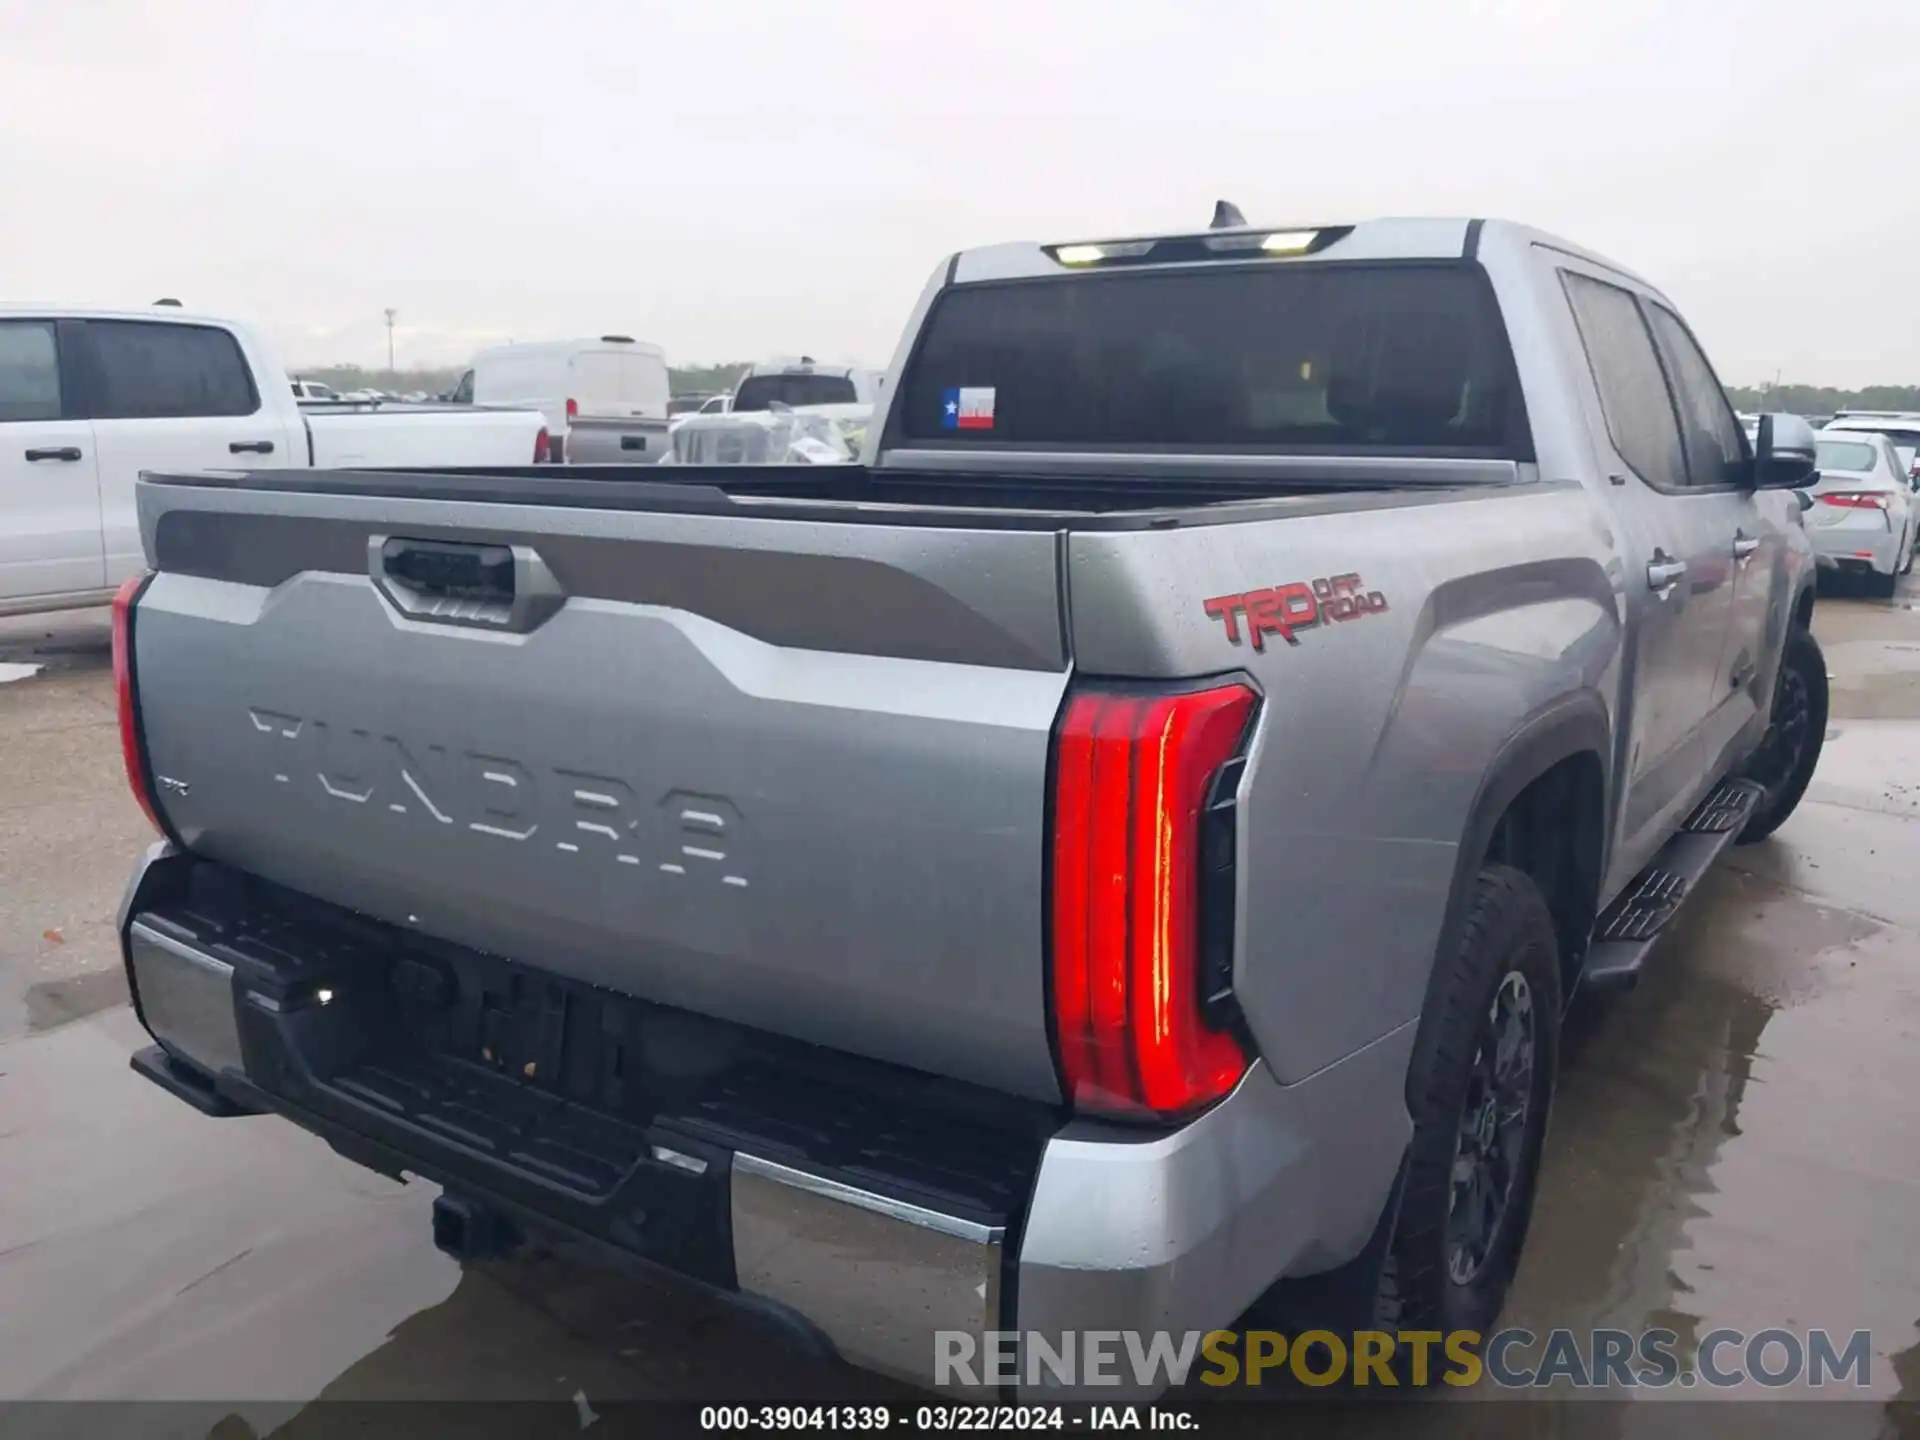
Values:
[(790, 773)]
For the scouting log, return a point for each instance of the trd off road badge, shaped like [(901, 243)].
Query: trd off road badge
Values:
[(1286, 609)]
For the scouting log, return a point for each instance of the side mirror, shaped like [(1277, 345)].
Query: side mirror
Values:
[(1783, 454)]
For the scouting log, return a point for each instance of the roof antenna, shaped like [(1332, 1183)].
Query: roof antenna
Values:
[(1226, 215), (168, 301)]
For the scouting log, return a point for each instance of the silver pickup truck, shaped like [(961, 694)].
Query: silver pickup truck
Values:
[(1115, 859)]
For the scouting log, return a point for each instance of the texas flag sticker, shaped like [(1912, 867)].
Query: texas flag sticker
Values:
[(968, 408)]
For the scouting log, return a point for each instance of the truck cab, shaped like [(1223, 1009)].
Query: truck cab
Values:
[(801, 382)]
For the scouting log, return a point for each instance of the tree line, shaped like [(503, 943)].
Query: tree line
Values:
[(711, 379), (1822, 399)]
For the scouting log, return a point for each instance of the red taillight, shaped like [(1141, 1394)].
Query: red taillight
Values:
[(123, 684), (1131, 780), (573, 408), (1851, 500), (540, 444)]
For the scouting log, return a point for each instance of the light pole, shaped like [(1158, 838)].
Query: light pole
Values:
[(391, 314)]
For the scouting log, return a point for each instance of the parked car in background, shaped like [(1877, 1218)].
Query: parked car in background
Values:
[(783, 435), (1902, 427), (1863, 518), (313, 390), (611, 378), (802, 382), (682, 405), (90, 398)]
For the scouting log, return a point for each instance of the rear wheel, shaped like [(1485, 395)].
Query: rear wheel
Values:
[(1796, 731), (1881, 587), (1478, 1090)]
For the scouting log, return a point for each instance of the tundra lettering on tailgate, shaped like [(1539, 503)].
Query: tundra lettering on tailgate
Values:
[(1284, 609), (680, 833)]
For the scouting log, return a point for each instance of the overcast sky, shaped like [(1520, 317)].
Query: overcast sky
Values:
[(731, 178)]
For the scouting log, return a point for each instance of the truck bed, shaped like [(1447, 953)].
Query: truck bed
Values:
[(341, 435), (1035, 500), (750, 743)]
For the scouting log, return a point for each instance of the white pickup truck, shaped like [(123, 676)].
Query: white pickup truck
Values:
[(90, 398)]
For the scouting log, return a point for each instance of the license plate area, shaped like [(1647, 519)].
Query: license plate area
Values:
[(606, 1113)]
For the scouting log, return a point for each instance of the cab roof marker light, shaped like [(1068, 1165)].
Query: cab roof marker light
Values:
[(1274, 242), (1094, 254), (1289, 242)]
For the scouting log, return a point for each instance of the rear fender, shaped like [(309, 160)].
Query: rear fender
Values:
[(1371, 797), (1573, 725)]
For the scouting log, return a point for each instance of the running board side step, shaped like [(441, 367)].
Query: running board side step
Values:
[(1639, 916)]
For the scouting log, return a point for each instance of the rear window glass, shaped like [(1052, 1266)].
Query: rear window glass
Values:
[(148, 371), (763, 392), (29, 371), (1843, 455), (1299, 357), (1895, 433)]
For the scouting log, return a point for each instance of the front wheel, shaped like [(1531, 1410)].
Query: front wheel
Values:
[(1478, 1091), (1796, 730), (1913, 543)]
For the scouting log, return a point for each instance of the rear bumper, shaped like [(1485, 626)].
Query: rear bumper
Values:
[(1857, 544), (1068, 1229)]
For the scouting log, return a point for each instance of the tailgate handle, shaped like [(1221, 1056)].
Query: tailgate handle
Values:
[(453, 571), (454, 582)]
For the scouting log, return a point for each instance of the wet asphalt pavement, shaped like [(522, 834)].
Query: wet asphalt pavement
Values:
[(1735, 1143)]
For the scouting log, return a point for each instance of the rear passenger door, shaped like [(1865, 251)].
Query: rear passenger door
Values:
[(1750, 536), (49, 481), (171, 396), (1678, 583)]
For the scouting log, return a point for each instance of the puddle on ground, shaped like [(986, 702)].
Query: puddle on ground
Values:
[(53, 1003), (1737, 1142)]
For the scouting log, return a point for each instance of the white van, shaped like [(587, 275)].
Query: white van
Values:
[(612, 377)]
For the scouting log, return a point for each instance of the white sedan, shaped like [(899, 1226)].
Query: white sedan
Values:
[(1863, 516)]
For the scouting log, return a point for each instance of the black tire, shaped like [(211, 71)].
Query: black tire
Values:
[(1881, 587), (1796, 731), (1433, 1280), (1913, 544)]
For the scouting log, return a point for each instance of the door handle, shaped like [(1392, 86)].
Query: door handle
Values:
[(251, 447), (1663, 575), (1743, 547), (55, 452)]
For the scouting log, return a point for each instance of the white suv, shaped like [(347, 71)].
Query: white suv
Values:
[(1863, 517), (1902, 427)]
